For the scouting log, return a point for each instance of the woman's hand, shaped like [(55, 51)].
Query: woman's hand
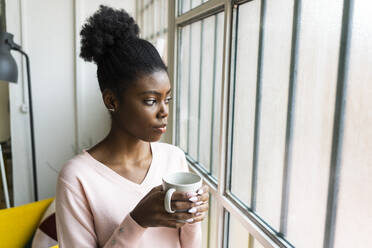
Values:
[(150, 211)]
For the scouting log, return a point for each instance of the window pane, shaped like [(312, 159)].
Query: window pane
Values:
[(195, 3), (354, 215), (209, 225), (200, 77), (319, 41), (206, 91), (145, 23), (273, 115), (186, 5), (245, 99), (193, 129), (239, 236), (157, 16), (216, 112), (183, 77)]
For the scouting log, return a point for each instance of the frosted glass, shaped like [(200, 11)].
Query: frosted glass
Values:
[(354, 215), (183, 75), (209, 224), (206, 93), (217, 93), (195, 3), (274, 101), (245, 99), (194, 90), (239, 236), (158, 13), (319, 40), (184, 5)]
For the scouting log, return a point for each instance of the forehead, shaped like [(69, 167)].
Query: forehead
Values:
[(156, 81)]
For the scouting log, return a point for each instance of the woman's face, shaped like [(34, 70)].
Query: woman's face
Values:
[(143, 111)]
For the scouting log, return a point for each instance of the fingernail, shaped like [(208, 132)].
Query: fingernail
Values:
[(200, 191), (193, 199), (198, 213), (199, 203), (191, 194), (192, 210), (189, 220)]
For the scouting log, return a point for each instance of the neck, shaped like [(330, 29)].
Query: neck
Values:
[(122, 147)]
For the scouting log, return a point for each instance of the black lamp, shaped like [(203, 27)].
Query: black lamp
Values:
[(9, 73)]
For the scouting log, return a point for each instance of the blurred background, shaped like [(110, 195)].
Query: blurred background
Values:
[(272, 106)]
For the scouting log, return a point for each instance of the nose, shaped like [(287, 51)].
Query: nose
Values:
[(163, 111)]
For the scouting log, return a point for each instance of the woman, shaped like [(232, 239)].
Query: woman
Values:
[(111, 194)]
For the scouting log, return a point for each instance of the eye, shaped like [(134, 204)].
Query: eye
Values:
[(150, 102), (168, 99)]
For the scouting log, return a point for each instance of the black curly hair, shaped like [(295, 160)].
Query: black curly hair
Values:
[(110, 39)]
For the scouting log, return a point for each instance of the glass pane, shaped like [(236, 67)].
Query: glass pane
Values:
[(194, 96), (273, 115), (158, 13), (195, 3), (183, 85), (145, 23), (245, 99), (354, 215), (184, 6), (200, 78), (206, 92), (216, 112), (239, 236), (209, 226), (319, 41)]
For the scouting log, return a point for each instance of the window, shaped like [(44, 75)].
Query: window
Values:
[(273, 110), (199, 73), (152, 17), (187, 5)]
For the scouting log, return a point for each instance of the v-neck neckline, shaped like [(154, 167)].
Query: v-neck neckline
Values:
[(107, 170)]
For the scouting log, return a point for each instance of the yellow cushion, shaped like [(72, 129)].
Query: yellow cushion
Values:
[(19, 223), (56, 246)]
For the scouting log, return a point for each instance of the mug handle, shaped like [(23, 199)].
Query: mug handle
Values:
[(167, 200)]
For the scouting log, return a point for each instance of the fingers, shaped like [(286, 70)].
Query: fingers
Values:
[(203, 189), (199, 218), (191, 196), (183, 196), (184, 205), (190, 213)]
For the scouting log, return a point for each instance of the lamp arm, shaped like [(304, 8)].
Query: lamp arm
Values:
[(12, 44), (18, 48)]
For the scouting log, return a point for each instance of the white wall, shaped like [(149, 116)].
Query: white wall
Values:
[(69, 114)]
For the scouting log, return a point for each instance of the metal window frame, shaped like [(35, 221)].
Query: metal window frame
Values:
[(225, 201)]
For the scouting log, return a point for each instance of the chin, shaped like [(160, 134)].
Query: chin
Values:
[(151, 138)]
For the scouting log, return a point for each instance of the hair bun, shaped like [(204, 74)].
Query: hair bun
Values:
[(106, 28)]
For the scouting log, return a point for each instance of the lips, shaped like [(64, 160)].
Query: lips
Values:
[(161, 128)]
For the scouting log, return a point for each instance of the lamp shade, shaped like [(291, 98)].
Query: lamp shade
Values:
[(8, 66)]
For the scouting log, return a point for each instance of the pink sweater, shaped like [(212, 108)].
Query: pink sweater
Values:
[(93, 203)]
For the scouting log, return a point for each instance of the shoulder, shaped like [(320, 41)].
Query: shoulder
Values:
[(74, 168), (169, 149)]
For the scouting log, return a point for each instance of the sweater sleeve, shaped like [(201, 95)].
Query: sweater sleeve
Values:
[(190, 234), (75, 222)]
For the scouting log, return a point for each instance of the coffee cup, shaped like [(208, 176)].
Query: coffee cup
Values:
[(180, 182)]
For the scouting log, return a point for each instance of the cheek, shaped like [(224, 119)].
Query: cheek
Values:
[(138, 118)]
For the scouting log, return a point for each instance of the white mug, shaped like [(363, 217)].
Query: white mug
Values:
[(182, 182)]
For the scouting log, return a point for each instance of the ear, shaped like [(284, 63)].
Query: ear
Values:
[(110, 100)]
